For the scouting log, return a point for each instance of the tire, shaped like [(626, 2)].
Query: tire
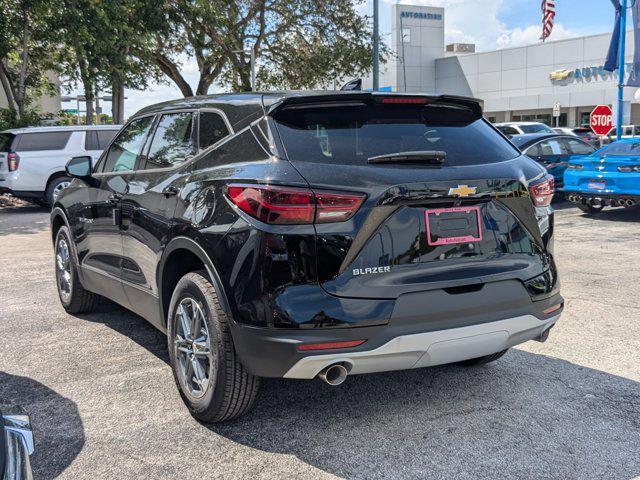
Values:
[(73, 296), (54, 188), (590, 209), (474, 362), (229, 390)]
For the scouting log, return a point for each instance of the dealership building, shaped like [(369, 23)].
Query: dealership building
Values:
[(515, 84)]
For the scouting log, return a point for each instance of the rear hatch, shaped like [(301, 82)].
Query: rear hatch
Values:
[(447, 204)]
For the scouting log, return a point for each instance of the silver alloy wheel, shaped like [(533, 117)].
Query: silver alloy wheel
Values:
[(63, 269), (192, 347), (59, 187)]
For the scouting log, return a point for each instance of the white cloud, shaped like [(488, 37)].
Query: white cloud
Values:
[(477, 21), (531, 34)]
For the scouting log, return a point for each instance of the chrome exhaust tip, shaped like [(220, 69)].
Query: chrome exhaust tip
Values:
[(630, 203), (334, 375), (621, 203)]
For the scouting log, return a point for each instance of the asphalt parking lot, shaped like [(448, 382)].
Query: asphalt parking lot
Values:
[(104, 405)]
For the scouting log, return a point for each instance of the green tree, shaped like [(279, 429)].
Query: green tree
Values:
[(296, 43), (111, 43), (27, 48)]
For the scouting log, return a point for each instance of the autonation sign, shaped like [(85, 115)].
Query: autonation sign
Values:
[(423, 15), (569, 75)]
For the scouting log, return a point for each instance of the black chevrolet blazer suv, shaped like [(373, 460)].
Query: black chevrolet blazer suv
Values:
[(311, 234)]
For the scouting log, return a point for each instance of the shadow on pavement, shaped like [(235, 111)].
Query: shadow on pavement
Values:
[(23, 219), (526, 416), (57, 427), (131, 325)]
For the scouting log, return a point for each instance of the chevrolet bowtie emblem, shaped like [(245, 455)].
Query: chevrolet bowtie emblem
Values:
[(462, 190)]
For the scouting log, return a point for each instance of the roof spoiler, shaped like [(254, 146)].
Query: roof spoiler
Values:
[(338, 98)]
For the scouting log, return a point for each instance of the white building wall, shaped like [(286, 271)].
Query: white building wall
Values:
[(518, 79)]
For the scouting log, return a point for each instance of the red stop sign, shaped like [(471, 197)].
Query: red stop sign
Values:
[(601, 120)]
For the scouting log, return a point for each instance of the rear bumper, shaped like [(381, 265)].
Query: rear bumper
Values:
[(422, 337), (605, 199), (430, 348)]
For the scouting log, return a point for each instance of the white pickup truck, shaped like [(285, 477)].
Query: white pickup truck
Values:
[(32, 159)]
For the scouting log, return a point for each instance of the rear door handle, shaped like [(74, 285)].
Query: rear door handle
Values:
[(170, 191)]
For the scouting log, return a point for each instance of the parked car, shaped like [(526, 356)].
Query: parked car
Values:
[(553, 151), (610, 176), (584, 133), (628, 131), (32, 160), (16, 444), (522, 128), (304, 235)]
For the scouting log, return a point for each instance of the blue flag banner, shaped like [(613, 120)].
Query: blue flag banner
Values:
[(611, 63), (634, 78)]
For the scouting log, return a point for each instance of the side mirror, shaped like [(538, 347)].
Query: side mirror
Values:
[(79, 167)]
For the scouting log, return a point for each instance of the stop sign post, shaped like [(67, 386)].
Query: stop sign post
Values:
[(601, 120)]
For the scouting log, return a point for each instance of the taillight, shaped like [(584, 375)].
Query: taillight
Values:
[(542, 191), (13, 161), (294, 206)]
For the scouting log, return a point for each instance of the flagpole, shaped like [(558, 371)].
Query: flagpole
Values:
[(376, 46), (621, 58)]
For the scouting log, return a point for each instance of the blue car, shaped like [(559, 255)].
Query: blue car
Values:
[(611, 176), (553, 151)]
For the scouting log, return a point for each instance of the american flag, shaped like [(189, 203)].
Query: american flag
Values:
[(548, 14)]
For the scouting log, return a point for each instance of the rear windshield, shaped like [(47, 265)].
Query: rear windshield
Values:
[(353, 134), (5, 141), (621, 149), (536, 129), (30, 142)]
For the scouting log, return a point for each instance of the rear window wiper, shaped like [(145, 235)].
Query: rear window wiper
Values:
[(431, 157)]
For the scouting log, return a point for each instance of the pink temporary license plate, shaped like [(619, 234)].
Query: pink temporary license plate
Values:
[(447, 226), (597, 185)]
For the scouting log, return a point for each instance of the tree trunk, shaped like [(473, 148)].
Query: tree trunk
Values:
[(90, 97), (170, 69), (7, 88), (24, 58), (117, 102)]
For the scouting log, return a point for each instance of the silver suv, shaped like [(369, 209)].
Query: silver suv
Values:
[(32, 159)]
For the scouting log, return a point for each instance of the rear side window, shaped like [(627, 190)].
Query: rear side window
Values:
[(353, 134), (576, 147), (621, 149), (6, 139), (173, 140), (547, 148), (32, 142), (212, 129), (105, 137), (98, 139)]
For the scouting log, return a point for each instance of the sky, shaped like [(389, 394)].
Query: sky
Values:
[(490, 24)]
